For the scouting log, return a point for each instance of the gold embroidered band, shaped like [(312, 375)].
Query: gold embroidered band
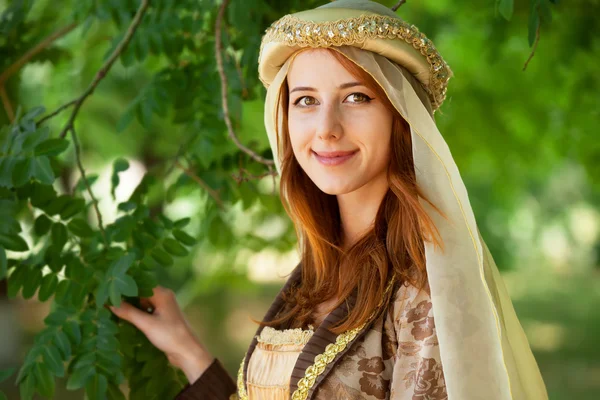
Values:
[(321, 360), (293, 31)]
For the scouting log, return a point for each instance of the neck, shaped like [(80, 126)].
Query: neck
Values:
[(358, 209)]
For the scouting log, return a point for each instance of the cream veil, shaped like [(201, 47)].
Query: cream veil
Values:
[(484, 351)]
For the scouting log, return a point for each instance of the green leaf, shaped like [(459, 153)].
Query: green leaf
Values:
[(53, 361), (16, 279), (55, 206), (127, 206), (119, 165), (7, 165), (102, 293), (143, 240), (116, 282), (53, 258), (62, 291), (22, 171), (32, 283), (42, 170), (47, 287), (174, 247), (3, 396), (45, 381), (27, 387), (3, 267), (32, 138), (62, 343), (13, 242), (125, 120), (6, 373), (73, 207), (545, 11), (184, 237), (80, 186), (42, 224), (80, 377), (59, 235), (114, 393), (534, 23), (506, 8), (80, 228), (71, 328), (96, 388), (34, 113), (42, 195), (51, 147), (162, 257), (180, 223), (126, 285), (121, 265)]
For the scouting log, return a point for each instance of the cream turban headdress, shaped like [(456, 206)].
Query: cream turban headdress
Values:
[(484, 351)]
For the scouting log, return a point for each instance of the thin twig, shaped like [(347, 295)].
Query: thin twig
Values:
[(35, 50), (203, 184), (137, 19), (535, 44), (55, 112), (219, 56), (397, 6), (87, 184), (6, 102), (249, 177)]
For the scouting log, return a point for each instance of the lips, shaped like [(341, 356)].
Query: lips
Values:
[(333, 154), (331, 158)]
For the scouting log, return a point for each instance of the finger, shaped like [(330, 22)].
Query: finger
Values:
[(159, 295), (146, 305), (129, 313), (162, 298)]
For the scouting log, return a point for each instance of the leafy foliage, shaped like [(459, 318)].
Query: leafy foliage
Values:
[(166, 90)]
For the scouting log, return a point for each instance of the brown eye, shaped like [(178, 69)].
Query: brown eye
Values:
[(359, 98), (306, 101)]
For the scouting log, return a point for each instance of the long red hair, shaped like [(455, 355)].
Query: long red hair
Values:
[(393, 246)]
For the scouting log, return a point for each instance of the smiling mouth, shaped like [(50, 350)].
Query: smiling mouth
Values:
[(334, 157)]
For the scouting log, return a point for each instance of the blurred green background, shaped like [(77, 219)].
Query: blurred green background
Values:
[(526, 143)]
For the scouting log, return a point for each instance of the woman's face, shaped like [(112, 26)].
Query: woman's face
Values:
[(339, 130)]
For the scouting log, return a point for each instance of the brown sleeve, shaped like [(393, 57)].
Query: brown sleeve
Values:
[(214, 384)]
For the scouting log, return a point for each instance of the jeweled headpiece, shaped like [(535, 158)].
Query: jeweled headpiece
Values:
[(364, 24)]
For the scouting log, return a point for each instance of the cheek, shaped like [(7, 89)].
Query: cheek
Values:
[(299, 136)]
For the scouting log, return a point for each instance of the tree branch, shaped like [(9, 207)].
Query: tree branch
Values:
[(57, 111), (219, 56), (535, 44), (397, 6), (240, 178), (137, 19), (6, 102), (35, 50), (203, 184), (87, 184)]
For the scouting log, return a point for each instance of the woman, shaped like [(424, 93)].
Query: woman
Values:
[(396, 296)]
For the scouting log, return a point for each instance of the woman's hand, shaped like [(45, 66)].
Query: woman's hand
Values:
[(169, 331)]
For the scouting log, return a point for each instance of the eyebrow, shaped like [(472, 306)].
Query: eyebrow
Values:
[(311, 89)]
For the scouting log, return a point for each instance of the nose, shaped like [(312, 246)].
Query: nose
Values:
[(329, 124)]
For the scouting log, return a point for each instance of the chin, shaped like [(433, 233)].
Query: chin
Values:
[(335, 188)]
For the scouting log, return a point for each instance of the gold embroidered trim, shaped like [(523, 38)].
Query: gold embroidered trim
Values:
[(241, 394), (295, 32), (321, 360), (297, 336)]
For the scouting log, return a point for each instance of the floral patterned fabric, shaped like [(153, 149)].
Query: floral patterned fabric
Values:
[(397, 358)]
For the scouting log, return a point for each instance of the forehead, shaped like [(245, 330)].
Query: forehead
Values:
[(317, 67)]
